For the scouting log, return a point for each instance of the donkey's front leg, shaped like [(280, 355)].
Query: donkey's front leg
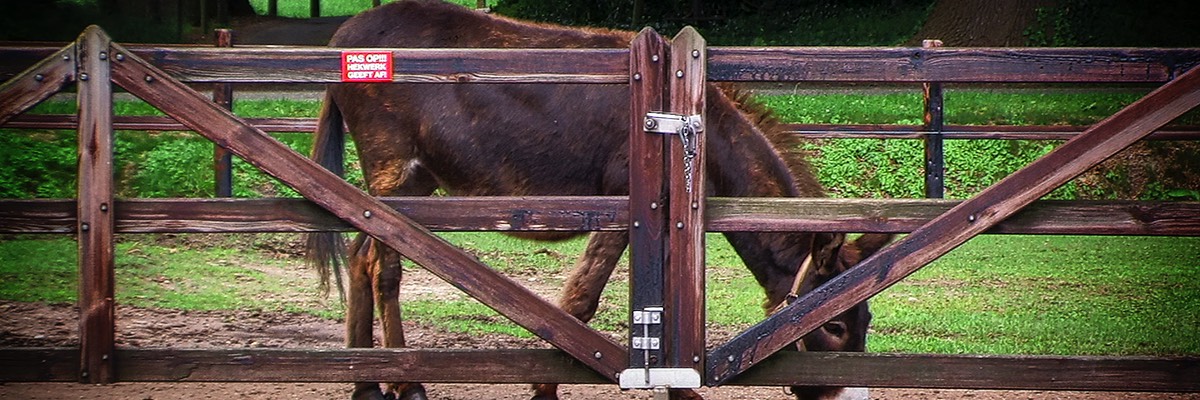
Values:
[(387, 291), (581, 292)]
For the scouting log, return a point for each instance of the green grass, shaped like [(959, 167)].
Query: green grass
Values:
[(996, 294), (329, 8)]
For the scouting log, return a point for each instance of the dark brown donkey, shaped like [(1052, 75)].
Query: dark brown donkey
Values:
[(546, 139)]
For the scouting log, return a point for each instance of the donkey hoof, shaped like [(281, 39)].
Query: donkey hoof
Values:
[(414, 392)]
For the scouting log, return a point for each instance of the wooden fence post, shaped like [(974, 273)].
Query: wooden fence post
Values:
[(223, 96), (684, 279), (314, 8), (647, 192), (95, 215), (935, 157)]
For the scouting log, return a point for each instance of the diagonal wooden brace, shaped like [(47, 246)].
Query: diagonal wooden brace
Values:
[(956, 226), (368, 214), (37, 83)]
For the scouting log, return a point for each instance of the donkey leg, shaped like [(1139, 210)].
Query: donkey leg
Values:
[(581, 293), (387, 292), (360, 305)]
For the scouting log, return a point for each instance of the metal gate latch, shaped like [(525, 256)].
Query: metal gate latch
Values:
[(686, 127), (647, 377)]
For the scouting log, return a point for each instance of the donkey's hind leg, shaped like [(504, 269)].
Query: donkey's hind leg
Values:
[(379, 277), (581, 293)]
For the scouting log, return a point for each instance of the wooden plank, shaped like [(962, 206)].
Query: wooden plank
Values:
[(323, 65), (155, 123), (39, 364), (97, 321), (684, 319), (607, 213), (37, 83), (955, 227), (1003, 372), (369, 215), (647, 189), (306, 365), (945, 371), (829, 64), (1005, 132), (811, 131), (959, 65)]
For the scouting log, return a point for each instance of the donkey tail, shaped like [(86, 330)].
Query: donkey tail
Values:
[(327, 250), (869, 243)]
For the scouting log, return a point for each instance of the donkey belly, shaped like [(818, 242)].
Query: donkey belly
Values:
[(524, 139)]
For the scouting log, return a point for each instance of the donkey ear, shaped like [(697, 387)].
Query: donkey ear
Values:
[(869, 243), (826, 247)]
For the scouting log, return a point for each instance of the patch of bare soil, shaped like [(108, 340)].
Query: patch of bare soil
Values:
[(54, 325)]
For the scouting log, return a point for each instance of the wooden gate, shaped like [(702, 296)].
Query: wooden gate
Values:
[(667, 241)]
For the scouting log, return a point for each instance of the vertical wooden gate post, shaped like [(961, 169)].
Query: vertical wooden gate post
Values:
[(935, 157), (96, 308), (223, 159), (647, 200), (666, 203), (685, 267)]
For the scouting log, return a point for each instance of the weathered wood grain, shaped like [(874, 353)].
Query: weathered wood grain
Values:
[(606, 213), (369, 215), (38, 82), (97, 320), (964, 65), (684, 319), (647, 187), (1006, 132), (1006, 372), (955, 227)]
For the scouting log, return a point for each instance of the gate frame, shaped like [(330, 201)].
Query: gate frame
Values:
[(96, 360)]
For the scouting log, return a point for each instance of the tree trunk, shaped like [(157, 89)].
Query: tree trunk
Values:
[(990, 23)]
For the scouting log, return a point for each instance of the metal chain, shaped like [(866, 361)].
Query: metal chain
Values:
[(687, 135)]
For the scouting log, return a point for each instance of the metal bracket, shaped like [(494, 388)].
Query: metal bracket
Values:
[(674, 378), (672, 124)]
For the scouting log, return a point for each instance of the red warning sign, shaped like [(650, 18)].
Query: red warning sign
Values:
[(366, 66)]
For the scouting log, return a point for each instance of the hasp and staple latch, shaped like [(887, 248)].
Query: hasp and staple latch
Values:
[(649, 321), (687, 127)]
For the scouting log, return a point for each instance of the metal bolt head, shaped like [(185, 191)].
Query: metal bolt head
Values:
[(695, 205), (651, 123), (367, 214), (104, 55), (83, 76), (679, 73), (598, 355), (679, 225), (637, 77), (66, 57), (695, 359), (654, 58), (104, 207), (730, 358), (149, 78), (84, 227), (39, 77), (695, 53), (971, 218), (120, 57), (654, 205), (637, 224)]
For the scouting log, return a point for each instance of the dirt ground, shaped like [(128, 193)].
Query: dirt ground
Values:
[(54, 325)]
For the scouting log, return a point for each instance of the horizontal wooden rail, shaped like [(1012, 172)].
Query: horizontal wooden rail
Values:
[(814, 64), (1142, 374), (605, 213), (273, 64), (960, 65), (1007, 372), (1011, 132), (812, 131), (305, 365)]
